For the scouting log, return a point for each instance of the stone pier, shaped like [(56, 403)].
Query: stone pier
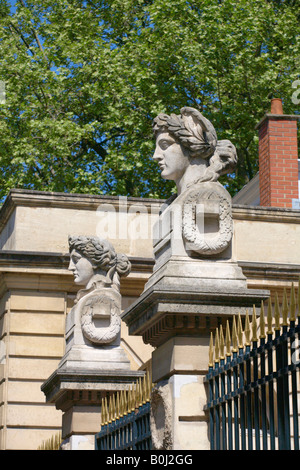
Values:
[(196, 283)]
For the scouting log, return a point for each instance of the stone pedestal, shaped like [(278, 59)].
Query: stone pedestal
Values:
[(94, 365), (79, 393), (196, 285)]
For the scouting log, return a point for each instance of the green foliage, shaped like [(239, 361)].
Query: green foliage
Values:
[(84, 80)]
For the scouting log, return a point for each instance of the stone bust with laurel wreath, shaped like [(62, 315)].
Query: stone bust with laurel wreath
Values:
[(189, 153), (96, 266), (206, 157)]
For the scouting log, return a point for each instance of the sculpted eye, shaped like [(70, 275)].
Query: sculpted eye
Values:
[(164, 144)]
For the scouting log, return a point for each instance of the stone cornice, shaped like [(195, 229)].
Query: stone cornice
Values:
[(65, 380), (20, 259), (31, 198), (28, 198), (265, 214)]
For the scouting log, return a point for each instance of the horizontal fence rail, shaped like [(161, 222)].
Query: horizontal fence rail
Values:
[(126, 419), (254, 387)]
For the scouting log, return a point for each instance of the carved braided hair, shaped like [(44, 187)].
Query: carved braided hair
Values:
[(101, 253), (196, 133)]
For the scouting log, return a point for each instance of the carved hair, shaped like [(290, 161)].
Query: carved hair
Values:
[(196, 133), (101, 253)]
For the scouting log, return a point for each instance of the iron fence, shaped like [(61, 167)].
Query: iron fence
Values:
[(126, 419), (254, 387)]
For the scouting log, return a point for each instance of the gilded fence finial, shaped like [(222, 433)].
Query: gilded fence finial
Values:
[(118, 409), (292, 304), (217, 347), (240, 332), (262, 323), (277, 313), (102, 412), (140, 392), (144, 390), (285, 309), (113, 407), (110, 413), (228, 340), (234, 336), (211, 351), (247, 330), (105, 411), (121, 404), (254, 325), (222, 344), (269, 317), (148, 387)]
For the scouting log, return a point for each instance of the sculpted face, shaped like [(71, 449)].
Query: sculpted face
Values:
[(81, 268), (172, 159)]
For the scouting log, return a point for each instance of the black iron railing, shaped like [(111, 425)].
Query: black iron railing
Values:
[(129, 432), (126, 419), (254, 387)]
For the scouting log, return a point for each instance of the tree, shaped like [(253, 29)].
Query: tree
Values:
[(84, 80)]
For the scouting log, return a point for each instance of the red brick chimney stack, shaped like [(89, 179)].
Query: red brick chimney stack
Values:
[(278, 157)]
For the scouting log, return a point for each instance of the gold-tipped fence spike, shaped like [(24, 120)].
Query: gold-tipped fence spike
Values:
[(102, 409), (240, 332), (262, 322), (222, 344), (109, 411), (277, 313), (247, 330), (254, 325), (118, 404), (211, 351), (217, 347), (292, 304), (113, 407), (228, 340), (121, 414), (285, 309), (269, 317), (149, 386), (234, 336), (125, 402), (105, 411), (144, 390), (131, 407), (140, 392)]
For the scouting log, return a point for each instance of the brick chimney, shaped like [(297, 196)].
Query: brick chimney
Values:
[(278, 157)]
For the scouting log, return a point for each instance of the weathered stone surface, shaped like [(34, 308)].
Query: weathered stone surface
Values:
[(93, 326)]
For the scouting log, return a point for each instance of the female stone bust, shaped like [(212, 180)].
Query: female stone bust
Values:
[(188, 151), (94, 261), (97, 266)]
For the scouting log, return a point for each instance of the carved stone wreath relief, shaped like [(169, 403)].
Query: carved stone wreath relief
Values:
[(100, 306), (212, 200)]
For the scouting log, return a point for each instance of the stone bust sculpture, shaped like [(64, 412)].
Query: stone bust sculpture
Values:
[(189, 153), (98, 268), (94, 261)]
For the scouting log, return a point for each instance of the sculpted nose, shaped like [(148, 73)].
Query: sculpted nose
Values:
[(157, 154), (71, 266)]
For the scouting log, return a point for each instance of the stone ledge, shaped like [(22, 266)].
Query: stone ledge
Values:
[(63, 381), (162, 311)]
